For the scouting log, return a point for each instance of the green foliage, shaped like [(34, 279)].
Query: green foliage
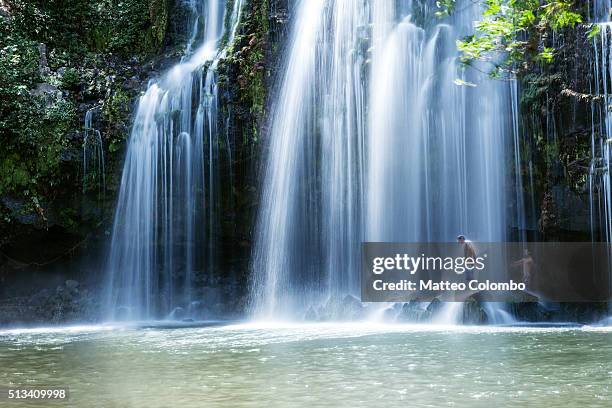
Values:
[(30, 125), (78, 26), (536, 88), (33, 147), (249, 56), (594, 31), (116, 110), (132, 26), (158, 14), (71, 79), (512, 33), (445, 7), (41, 85)]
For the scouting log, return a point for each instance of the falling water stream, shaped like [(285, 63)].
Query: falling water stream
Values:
[(165, 214), (94, 177), (373, 139), (600, 183), (600, 176), (310, 218)]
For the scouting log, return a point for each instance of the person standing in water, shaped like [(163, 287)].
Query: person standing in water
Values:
[(468, 252)]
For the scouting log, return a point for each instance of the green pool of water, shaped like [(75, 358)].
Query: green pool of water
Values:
[(319, 365)]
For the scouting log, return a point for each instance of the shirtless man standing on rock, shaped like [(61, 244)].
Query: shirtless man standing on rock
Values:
[(468, 252)]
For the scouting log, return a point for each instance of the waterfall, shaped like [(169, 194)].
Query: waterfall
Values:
[(600, 10), (450, 313), (165, 216), (309, 224), (373, 139), (436, 149), (93, 156), (601, 135), (599, 180), (600, 177), (497, 315)]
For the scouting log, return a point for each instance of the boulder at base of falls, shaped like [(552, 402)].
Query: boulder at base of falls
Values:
[(347, 308), (523, 306), (473, 312), (66, 303), (177, 314), (72, 284), (414, 312), (434, 306), (529, 312)]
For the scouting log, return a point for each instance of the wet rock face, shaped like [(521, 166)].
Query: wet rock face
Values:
[(473, 312), (178, 313), (414, 312), (108, 84), (49, 218), (67, 303), (556, 118), (335, 308), (47, 91)]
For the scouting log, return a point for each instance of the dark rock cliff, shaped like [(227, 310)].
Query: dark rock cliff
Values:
[(557, 118), (55, 228)]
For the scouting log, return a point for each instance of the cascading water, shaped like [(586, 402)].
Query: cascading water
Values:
[(166, 208), (93, 156), (600, 182), (309, 225), (600, 176), (600, 10), (436, 150), (372, 139)]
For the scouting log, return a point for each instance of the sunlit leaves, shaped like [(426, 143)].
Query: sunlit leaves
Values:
[(512, 33), (445, 7), (594, 31)]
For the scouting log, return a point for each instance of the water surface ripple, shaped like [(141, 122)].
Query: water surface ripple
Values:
[(318, 365)]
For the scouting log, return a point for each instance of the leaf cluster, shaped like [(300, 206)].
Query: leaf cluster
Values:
[(513, 34)]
